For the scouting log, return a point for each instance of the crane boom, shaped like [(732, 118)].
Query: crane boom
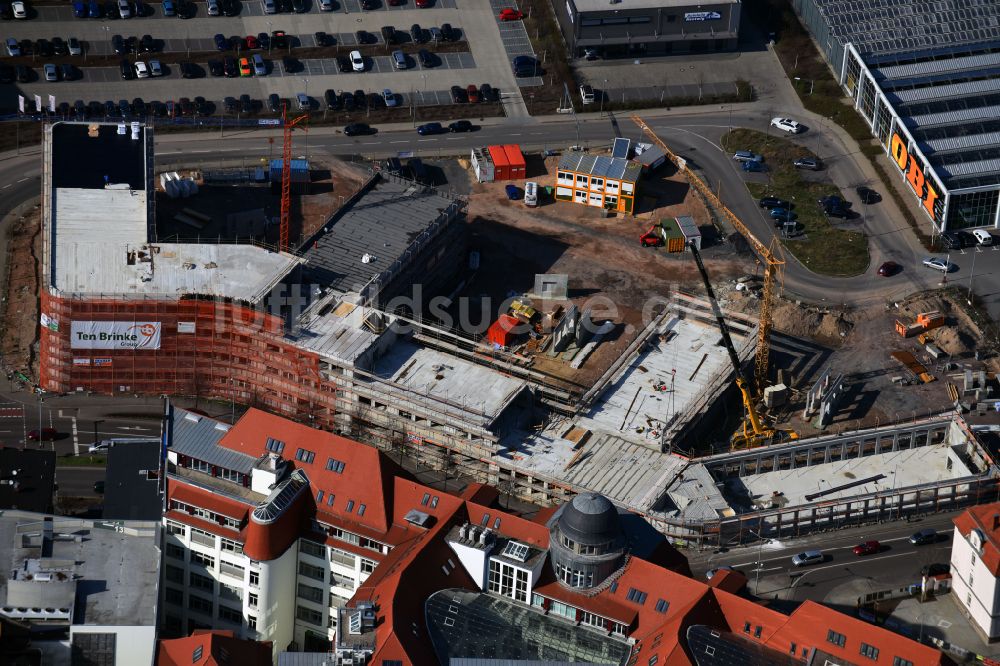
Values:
[(286, 176), (767, 255)]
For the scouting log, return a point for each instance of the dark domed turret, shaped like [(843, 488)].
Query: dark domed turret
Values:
[(586, 542)]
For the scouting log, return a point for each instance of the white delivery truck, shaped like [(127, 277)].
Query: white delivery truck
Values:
[(531, 194)]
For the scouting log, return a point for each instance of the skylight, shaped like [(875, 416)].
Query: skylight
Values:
[(516, 551), (275, 445), (281, 498)]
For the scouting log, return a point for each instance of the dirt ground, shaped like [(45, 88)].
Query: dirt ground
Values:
[(19, 332), (609, 271), (331, 181)]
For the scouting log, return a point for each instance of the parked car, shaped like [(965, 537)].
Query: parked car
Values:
[(279, 39), (472, 93), (982, 236), (59, 46), (74, 46), (246, 104), (747, 156), (426, 58), (787, 125), (889, 268), (945, 267), (147, 44), (807, 557), (326, 5), (274, 103), (399, 59), (251, 42), (264, 41), (99, 487), (868, 548), (417, 34), (774, 202), (448, 34), (810, 163), (212, 7), (950, 240), (510, 14), (188, 70), (461, 126), (525, 66), (866, 195), (458, 95), (221, 43), (22, 73), (141, 71), (344, 64), (215, 67), (245, 67), (428, 129), (488, 93), (710, 574), (229, 105), (13, 48), (925, 536), (389, 35), (169, 8), (357, 129), (752, 166), (20, 11), (389, 98), (259, 65), (229, 66), (50, 73), (512, 192), (782, 214), (357, 61)]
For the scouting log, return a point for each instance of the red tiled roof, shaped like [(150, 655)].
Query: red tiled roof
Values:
[(367, 477), (205, 499), (218, 648), (730, 581), (986, 518)]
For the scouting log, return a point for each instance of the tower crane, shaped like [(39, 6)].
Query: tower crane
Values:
[(769, 257), (286, 175)]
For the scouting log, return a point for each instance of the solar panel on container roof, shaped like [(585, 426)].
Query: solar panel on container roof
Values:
[(621, 148)]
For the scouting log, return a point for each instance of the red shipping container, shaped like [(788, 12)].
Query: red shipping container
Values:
[(516, 161), (501, 332), (501, 166)]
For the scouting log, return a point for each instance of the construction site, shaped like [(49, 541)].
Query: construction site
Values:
[(547, 350)]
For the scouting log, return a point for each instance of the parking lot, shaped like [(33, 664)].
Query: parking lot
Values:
[(481, 58)]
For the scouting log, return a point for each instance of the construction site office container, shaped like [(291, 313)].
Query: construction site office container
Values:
[(482, 165), (673, 237), (501, 167), (515, 159), (690, 230), (299, 171)]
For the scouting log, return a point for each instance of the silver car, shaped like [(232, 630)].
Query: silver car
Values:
[(807, 557), (50, 73)]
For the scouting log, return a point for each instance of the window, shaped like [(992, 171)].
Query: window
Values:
[(367, 566), (869, 651), (230, 546), (652, 660), (319, 497), (234, 570), (746, 627), (434, 502), (334, 465), (835, 638), (199, 604), (899, 661), (199, 582), (638, 596), (330, 498), (275, 445), (310, 593), (254, 579), (197, 654), (175, 552), (230, 592), (508, 581), (309, 571), (314, 549), (426, 498), (757, 630), (231, 475), (791, 650), (174, 574), (662, 606), (230, 615), (309, 615), (175, 528), (202, 559), (252, 600), (614, 586), (350, 506), (252, 622), (486, 519), (361, 510), (175, 597), (199, 466), (496, 524)]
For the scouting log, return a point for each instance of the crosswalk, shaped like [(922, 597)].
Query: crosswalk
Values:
[(13, 427)]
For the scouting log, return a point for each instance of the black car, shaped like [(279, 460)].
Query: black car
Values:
[(139, 107), (364, 37), (95, 109), (132, 45), (110, 109), (343, 64), (229, 66), (360, 98), (389, 35), (375, 101), (924, 537), (347, 101), (68, 72), (448, 33), (274, 103), (866, 195), (357, 129), (80, 109), (126, 69), (809, 163), (417, 34), (291, 64), (246, 104), (59, 47), (525, 66), (775, 202), (369, 5), (332, 100), (279, 39), (393, 165), (63, 109), (322, 39), (6, 74), (185, 9), (158, 109), (458, 95), (188, 70), (837, 211), (22, 73), (202, 107), (185, 106), (951, 240), (215, 67), (43, 47), (230, 7), (229, 105), (461, 126), (426, 58), (146, 44), (488, 93), (6, 11), (299, 6), (833, 201), (27, 47), (124, 108), (264, 41)]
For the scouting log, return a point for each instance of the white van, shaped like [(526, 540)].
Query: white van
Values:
[(531, 194), (983, 237)]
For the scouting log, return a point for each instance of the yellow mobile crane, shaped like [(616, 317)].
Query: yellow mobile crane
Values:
[(756, 434)]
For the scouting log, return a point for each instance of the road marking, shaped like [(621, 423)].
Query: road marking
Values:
[(76, 439), (842, 564), (22, 180), (5, 186)]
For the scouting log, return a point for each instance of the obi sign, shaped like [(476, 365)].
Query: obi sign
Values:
[(923, 186), (115, 335)]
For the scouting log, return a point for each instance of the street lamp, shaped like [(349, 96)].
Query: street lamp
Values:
[(968, 298), (603, 93), (812, 83)]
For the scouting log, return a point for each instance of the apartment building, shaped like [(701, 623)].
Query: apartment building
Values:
[(598, 180), (975, 567)]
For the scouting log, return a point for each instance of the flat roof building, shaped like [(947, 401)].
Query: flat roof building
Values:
[(649, 27), (133, 487), (925, 76), (27, 479)]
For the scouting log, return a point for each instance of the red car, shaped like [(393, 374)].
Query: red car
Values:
[(252, 42), (867, 548), (43, 435), (509, 14), (889, 268), (473, 93), (422, 4)]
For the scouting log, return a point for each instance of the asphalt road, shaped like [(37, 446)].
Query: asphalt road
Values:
[(770, 573), (79, 481)]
